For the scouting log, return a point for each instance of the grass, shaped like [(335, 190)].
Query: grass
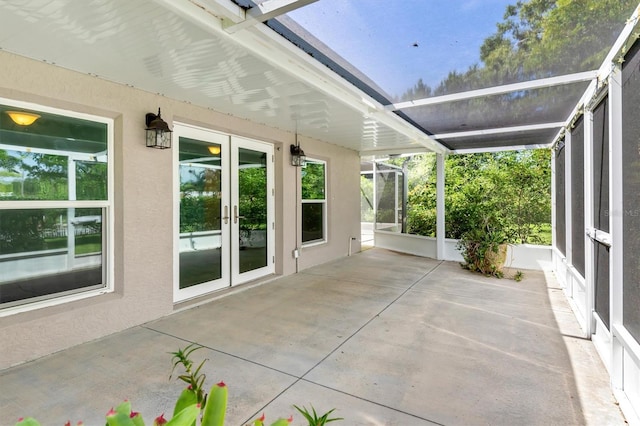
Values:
[(85, 244), (542, 237)]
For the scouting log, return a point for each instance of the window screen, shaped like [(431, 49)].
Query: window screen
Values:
[(561, 228), (631, 190), (577, 196), (601, 206)]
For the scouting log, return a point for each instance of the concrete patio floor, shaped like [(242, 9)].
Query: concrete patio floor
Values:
[(385, 338)]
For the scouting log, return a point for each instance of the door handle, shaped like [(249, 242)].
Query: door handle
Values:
[(235, 215), (226, 215)]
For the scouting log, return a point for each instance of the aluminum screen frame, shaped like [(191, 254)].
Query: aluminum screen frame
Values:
[(600, 163), (631, 191), (577, 197)]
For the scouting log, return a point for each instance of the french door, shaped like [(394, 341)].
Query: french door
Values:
[(224, 213)]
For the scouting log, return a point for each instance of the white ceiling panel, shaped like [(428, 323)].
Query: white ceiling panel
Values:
[(143, 44)]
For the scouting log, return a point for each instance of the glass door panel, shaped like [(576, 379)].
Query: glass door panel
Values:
[(252, 209), (202, 252)]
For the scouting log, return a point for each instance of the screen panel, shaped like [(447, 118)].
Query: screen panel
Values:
[(577, 196), (601, 207), (601, 166), (631, 190)]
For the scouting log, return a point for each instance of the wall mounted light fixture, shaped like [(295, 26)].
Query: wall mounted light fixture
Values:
[(22, 118), (158, 132), (298, 159)]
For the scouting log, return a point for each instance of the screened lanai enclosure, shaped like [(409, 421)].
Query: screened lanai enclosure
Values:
[(92, 222)]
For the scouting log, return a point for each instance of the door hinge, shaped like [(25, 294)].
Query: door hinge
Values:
[(273, 158), (273, 226), (273, 192), (273, 259)]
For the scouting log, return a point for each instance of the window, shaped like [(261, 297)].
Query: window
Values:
[(314, 202), (54, 199)]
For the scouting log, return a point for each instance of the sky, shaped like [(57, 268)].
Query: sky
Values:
[(412, 39)]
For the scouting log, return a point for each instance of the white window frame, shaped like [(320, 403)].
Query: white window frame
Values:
[(106, 205), (324, 203)]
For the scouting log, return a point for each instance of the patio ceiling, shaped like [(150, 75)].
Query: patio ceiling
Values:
[(256, 62)]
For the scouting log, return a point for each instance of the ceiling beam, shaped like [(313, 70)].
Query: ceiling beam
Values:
[(264, 11), (497, 90), (500, 130)]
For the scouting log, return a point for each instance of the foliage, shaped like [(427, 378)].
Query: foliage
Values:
[(483, 249), (313, 418), (20, 231), (313, 181), (537, 39), (193, 406), (193, 378), (510, 189), (199, 213), (199, 199), (91, 180), (518, 276), (252, 187)]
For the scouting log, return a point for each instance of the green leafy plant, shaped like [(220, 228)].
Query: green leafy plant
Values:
[(518, 276), (194, 407), (194, 378), (484, 249), (313, 418)]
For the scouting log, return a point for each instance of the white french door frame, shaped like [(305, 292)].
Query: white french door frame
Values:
[(230, 225), (205, 135), (237, 277)]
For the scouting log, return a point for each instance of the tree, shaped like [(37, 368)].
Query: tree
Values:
[(537, 39)]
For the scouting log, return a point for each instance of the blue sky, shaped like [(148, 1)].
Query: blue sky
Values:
[(378, 36)]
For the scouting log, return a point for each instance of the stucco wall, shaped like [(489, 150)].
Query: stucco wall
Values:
[(343, 204), (143, 206)]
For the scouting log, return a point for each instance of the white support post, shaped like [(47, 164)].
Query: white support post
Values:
[(375, 201), (567, 213), (616, 215), (589, 276), (554, 203), (440, 207)]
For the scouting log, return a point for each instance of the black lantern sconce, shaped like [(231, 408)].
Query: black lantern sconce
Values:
[(158, 132), (298, 159)]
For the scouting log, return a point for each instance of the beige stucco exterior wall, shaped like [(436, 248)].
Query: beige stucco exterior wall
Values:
[(143, 206)]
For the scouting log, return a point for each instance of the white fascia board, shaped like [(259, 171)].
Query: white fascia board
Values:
[(501, 130), (399, 151), (500, 149), (283, 55), (265, 11), (497, 90)]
